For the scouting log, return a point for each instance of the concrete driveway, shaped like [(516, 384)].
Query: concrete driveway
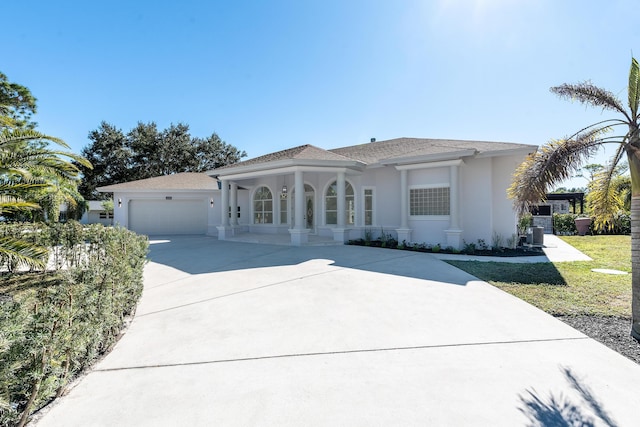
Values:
[(237, 334)]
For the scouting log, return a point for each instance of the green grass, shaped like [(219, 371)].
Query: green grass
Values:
[(568, 288)]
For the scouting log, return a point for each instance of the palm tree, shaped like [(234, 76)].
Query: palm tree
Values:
[(27, 168), (559, 159)]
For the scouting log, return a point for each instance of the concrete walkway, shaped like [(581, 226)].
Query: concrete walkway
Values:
[(236, 334)]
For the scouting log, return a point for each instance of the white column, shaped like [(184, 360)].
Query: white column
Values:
[(454, 214), (454, 233), (299, 200), (225, 203), (342, 208), (404, 203), (234, 204)]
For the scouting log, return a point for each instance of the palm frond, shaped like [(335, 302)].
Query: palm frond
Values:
[(587, 93), (551, 164), (604, 199), (15, 136), (634, 88), (22, 253)]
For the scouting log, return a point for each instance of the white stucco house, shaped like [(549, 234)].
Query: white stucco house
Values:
[(418, 190)]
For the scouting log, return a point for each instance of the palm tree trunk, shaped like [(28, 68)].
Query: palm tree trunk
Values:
[(635, 267), (634, 169)]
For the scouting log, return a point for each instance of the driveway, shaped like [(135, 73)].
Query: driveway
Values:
[(237, 334)]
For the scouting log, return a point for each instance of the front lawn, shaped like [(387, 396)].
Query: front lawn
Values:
[(568, 288)]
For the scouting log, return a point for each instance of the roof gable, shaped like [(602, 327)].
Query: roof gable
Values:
[(302, 152)]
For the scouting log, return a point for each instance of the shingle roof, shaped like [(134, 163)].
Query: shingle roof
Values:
[(303, 152), (178, 181), (400, 148)]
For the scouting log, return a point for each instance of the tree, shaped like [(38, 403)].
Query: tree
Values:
[(146, 152), (17, 105), (30, 172), (592, 169), (25, 171), (110, 157), (559, 159)]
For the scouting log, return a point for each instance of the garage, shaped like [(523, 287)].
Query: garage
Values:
[(168, 216)]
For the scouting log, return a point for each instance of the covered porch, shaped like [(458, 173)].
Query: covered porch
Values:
[(287, 198)]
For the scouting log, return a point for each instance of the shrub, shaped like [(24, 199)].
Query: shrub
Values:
[(68, 316), (564, 224)]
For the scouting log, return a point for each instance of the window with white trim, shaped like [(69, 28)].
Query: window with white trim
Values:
[(368, 206), (429, 201), (331, 204), (262, 206)]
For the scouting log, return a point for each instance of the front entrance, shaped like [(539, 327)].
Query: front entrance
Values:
[(309, 208)]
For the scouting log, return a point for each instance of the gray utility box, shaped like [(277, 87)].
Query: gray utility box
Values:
[(535, 236)]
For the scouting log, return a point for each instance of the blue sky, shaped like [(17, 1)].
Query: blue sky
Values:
[(270, 75)]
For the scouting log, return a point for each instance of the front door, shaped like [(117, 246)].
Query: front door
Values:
[(308, 202), (309, 208)]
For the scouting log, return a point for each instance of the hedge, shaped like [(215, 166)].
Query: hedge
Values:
[(60, 320)]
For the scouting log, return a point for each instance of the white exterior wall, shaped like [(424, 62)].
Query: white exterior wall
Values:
[(504, 217), (476, 202)]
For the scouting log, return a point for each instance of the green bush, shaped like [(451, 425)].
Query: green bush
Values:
[(68, 315), (564, 224)]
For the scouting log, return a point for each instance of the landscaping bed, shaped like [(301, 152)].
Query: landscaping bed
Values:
[(476, 249), (608, 330)]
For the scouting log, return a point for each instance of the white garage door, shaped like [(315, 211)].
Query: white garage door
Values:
[(155, 217)]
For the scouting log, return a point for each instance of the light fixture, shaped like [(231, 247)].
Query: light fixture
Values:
[(284, 192), (211, 202), (119, 203)]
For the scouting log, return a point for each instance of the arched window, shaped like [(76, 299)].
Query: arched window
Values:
[(262, 206), (331, 204)]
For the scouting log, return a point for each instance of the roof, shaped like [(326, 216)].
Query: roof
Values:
[(396, 150), (178, 181), (302, 152), (403, 148)]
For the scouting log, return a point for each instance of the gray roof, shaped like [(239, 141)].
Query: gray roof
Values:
[(303, 152), (178, 181), (399, 148), (386, 151)]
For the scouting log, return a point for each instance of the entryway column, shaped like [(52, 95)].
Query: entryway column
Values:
[(454, 233), (223, 228), (234, 204), (340, 232), (341, 206), (299, 234), (404, 232)]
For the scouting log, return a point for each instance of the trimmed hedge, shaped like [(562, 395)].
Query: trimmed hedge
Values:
[(55, 323), (564, 224)]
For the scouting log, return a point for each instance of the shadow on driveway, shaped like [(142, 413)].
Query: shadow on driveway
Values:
[(201, 255)]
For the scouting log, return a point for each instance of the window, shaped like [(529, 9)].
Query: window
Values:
[(262, 206), (368, 206), (105, 215), (429, 201), (331, 204)]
